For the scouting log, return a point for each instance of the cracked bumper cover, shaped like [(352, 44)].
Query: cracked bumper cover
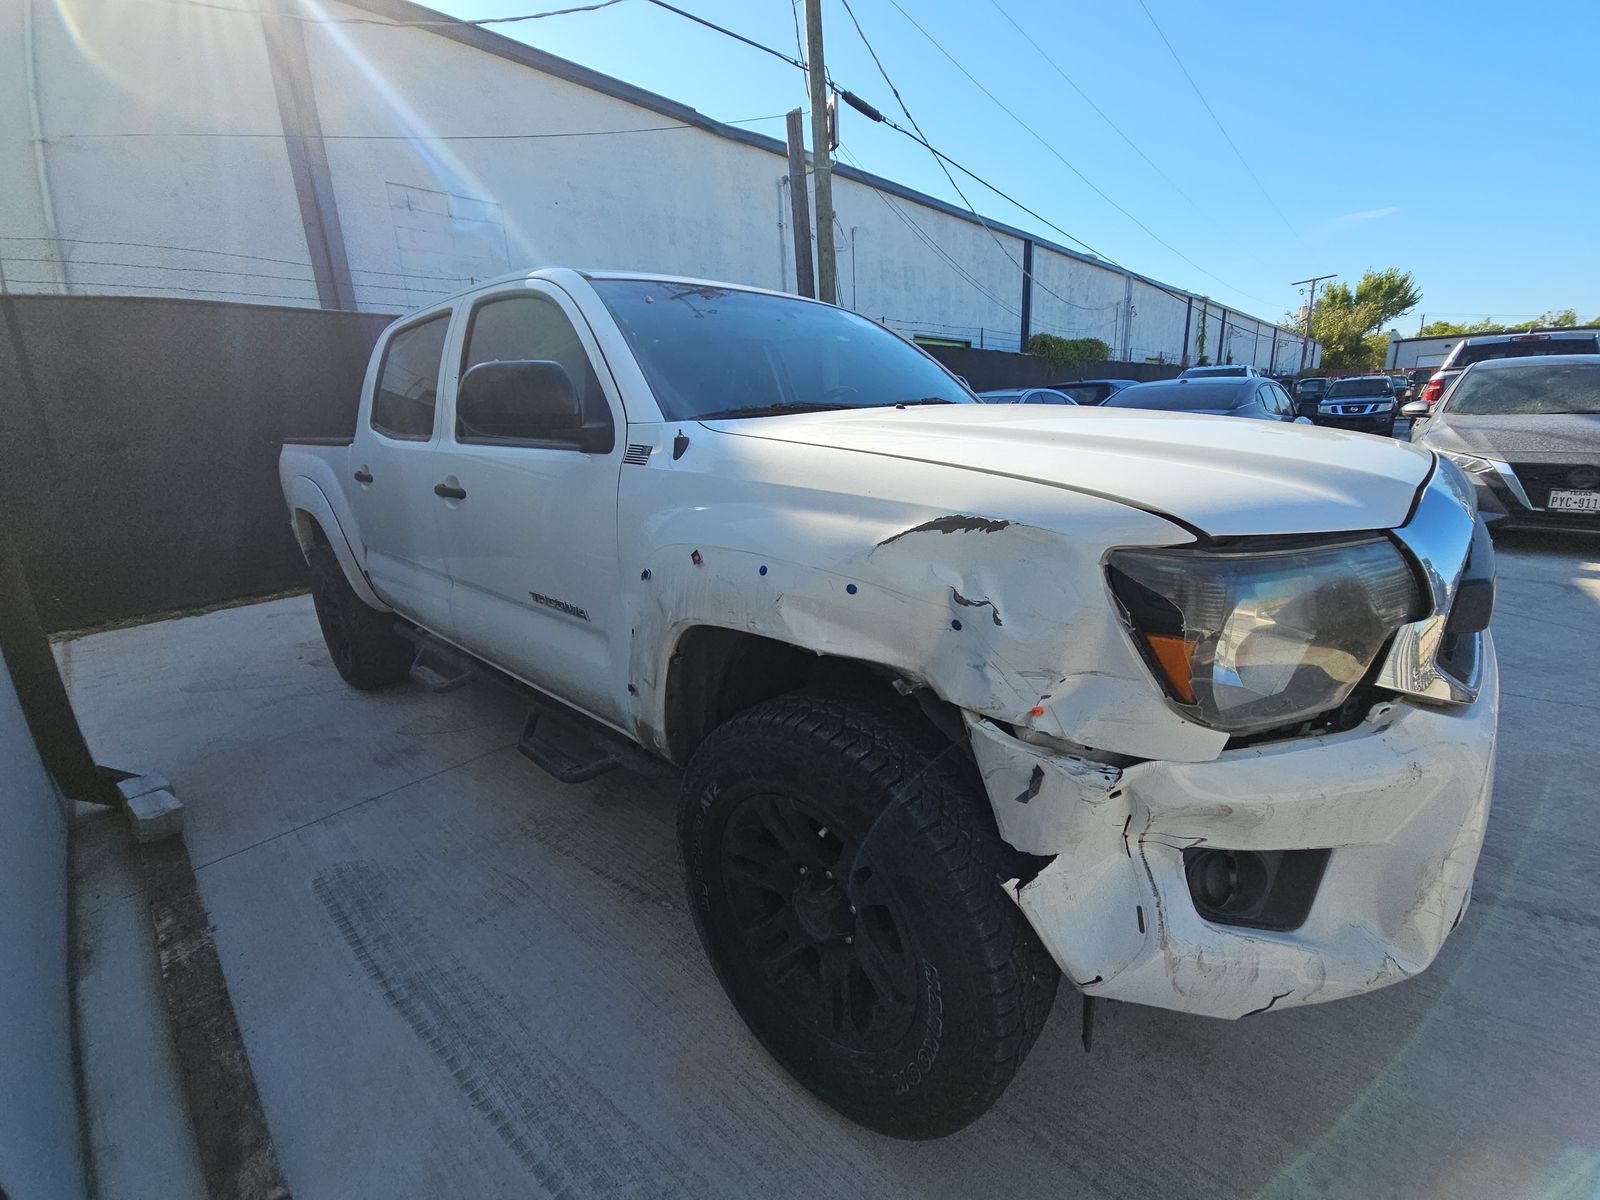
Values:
[(1401, 800)]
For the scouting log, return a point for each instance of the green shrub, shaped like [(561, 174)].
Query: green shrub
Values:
[(1062, 353)]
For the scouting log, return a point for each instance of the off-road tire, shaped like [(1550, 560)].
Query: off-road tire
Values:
[(366, 650), (960, 986)]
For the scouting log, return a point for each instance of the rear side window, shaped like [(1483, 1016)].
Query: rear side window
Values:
[(408, 380)]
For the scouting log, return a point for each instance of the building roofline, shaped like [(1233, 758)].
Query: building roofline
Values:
[(479, 38), (1445, 337)]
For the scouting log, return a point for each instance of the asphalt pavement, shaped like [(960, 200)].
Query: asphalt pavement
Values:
[(456, 977)]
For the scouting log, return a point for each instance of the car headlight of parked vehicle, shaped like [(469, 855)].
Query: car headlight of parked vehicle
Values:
[(1249, 640), (1472, 464)]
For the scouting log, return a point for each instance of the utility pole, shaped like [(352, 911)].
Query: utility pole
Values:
[(1311, 307), (821, 154), (799, 206)]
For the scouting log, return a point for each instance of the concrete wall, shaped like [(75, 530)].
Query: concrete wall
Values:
[(141, 445), (160, 168), (987, 370), (40, 1150)]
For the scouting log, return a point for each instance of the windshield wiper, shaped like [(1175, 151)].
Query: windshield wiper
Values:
[(923, 400), (768, 410)]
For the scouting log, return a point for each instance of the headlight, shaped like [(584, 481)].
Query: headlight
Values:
[(1470, 463), (1245, 641)]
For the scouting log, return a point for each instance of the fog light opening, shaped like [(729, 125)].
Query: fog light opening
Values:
[(1214, 877), (1264, 889)]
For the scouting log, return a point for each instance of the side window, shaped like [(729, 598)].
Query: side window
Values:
[(512, 328), (408, 380)]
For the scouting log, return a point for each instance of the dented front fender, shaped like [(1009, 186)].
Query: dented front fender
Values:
[(995, 600)]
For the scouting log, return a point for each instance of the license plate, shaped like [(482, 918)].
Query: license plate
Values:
[(1570, 501)]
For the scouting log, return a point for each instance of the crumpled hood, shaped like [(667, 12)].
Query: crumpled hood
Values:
[(1556, 437), (1226, 476)]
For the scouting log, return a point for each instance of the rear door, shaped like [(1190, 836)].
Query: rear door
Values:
[(392, 470), (531, 527)]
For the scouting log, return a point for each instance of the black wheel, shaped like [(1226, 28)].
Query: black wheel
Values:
[(366, 650), (843, 869)]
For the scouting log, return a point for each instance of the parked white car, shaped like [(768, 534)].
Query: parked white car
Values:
[(1200, 713)]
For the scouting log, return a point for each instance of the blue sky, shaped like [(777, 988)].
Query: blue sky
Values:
[(1455, 140)]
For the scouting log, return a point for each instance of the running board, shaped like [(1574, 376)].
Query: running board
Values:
[(563, 749), (441, 668), (572, 746)]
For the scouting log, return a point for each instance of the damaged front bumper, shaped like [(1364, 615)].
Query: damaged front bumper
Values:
[(1399, 803)]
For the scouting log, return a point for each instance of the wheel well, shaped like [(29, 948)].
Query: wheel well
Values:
[(308, 530), (716, 673)]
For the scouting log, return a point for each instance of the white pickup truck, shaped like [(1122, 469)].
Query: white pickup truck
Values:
[(1200, 712)]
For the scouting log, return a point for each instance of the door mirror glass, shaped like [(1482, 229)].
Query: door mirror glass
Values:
[(1417, 410), (527, 400)]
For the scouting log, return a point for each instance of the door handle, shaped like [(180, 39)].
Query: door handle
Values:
[(448, 492), (363, 476)]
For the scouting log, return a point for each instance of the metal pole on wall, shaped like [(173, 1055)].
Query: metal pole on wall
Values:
[(1027, 293), (799, 205), (821, 160), (1188, 317)]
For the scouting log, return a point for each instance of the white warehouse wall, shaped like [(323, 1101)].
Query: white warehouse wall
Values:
[(163, 164), (168, 173)]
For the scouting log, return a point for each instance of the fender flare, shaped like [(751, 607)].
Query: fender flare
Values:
[(309, 508)]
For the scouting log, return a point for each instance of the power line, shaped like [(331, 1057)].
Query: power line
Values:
[(1043, 141), (927, 240), (738, 37), (310, 281), (228, 254), (1222, 128), (1089, 100), (900, 100)]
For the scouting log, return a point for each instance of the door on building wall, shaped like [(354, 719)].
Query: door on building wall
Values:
[(392, 463), (533, 538)]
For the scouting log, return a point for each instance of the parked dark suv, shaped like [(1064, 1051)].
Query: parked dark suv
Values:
[(1365, 402), (1308, 394)]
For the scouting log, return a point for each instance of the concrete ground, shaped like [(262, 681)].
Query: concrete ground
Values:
[(458, 978)]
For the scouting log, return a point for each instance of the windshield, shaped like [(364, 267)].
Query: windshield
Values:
[(1312, 385), (1537, 389), (713, 351), (1219, 396), (1360, 387)]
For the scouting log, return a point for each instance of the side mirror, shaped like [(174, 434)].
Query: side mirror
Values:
[(1417, 410), (527, 400)]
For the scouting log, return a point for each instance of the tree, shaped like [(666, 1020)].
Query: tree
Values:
[(1348, 324), (1064, 353), (1564, 318), (1387, 294)]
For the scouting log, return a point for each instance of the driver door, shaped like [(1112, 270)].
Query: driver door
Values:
[(530, 526)]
